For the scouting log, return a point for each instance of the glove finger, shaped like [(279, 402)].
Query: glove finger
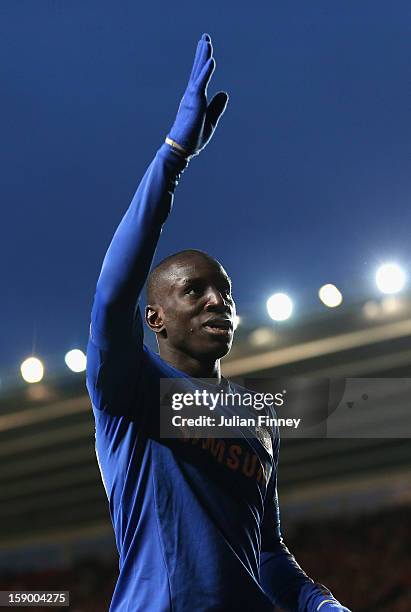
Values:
[(196, 58), (216, 108), (203, 52), (204, 77), (214, 111)]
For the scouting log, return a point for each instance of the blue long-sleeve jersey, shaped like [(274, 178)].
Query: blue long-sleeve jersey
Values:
[(196, 523)]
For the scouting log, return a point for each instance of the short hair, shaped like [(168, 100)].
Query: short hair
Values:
[(155, 280)]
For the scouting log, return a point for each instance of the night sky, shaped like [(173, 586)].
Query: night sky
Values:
[(306, 181)]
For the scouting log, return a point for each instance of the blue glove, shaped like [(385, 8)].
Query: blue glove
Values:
[(315, 597), (196, 119)]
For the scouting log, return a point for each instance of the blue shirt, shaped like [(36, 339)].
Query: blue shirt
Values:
[(196, 521)]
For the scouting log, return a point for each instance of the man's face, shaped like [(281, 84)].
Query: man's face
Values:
[(198, 308)]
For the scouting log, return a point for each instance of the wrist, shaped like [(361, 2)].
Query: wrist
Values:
[(174, 162), (324, 601), (314, 597), (177, 148)]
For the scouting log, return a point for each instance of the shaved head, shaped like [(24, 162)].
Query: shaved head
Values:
[(191, 310), (160, 277)]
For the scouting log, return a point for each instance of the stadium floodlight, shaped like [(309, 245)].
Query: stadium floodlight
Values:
[(390, 278), (372, 309), (32, 370), (262, 336), (330, 295), (76, 360), (392, 305), (279, 306)]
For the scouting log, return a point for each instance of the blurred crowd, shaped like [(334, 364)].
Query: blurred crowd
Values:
[(365, 561)]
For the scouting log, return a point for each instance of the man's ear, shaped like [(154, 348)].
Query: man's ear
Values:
[(154, 318)]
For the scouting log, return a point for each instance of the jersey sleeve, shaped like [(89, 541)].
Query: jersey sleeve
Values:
[(280, 575), (115, 346)]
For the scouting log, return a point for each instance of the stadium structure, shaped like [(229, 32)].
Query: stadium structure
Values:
[(353, 461)]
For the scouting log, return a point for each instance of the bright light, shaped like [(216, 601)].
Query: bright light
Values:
[(237, 321), (279, 306), (330, 295), (262, 336), (371, 309), (32, 370), (390, 278), (76, 360), (392, 305)]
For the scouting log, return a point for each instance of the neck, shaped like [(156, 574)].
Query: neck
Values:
[(191, 365)]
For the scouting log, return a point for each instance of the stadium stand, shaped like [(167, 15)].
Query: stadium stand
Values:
[(345, 490)]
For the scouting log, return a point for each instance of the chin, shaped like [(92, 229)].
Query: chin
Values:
[(217, 351)]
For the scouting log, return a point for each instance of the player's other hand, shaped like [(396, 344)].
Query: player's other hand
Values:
[(196, 118)]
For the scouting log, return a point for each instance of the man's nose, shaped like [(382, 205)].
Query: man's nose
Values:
[(216, 300)]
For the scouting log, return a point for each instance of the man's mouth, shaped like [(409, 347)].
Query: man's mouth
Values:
[(218, 326)]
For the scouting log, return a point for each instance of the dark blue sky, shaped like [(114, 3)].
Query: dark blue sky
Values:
[(306, 181)]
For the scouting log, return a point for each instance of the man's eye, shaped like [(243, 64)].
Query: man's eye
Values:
[(192, 291)]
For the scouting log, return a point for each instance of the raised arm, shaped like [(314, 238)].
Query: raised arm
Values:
[(287, 585), (115, 342), (129, 256), (132, 248)]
